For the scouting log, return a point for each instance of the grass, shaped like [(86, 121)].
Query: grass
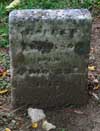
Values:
[(44, 4)]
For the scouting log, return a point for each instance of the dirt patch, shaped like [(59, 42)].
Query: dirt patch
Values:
[(95, 39)]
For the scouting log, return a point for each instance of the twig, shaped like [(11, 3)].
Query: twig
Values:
[(17, 109), (95, 96), (1, 107)]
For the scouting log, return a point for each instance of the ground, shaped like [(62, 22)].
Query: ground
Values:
[(86, 118)]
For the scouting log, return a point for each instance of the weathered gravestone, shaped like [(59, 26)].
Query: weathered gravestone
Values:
[(49, 56)]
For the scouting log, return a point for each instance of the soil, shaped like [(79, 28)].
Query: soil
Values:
[(86, 118)]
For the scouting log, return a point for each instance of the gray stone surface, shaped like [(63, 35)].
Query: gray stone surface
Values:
[(49, 56)]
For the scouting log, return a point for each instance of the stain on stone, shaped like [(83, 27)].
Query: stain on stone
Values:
[(80, 48), (71, 34), (62, 31), (23, 45), (52, 31), (19, 59), (43, 46), (70, 45), (21, 70), (83, 48), (34, 70)]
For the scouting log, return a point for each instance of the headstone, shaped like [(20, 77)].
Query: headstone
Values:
[(49, 52)]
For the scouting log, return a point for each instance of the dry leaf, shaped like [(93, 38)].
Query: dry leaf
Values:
[(48, 126), (35, 125), (91, 68), (96, 88), (4, 74), (13, 4), (3, 91), (7, 129), (78, 111)]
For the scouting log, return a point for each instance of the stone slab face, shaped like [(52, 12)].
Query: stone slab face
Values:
[(49, 56)]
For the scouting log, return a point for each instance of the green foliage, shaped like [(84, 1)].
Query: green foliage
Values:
[(62, 129), (4, 36), (3, 26), (4, 66), (56, 4), (43, 4)]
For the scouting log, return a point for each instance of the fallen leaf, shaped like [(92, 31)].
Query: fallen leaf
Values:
[(96, 87), (48, 126), (4, 74), (91, 68), (3, 91), (92, 50), (96, 81), (35, 125), (7, 129), (78, 111), (13, 4)]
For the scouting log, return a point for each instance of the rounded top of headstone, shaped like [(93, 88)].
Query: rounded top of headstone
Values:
[(49, 14)]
